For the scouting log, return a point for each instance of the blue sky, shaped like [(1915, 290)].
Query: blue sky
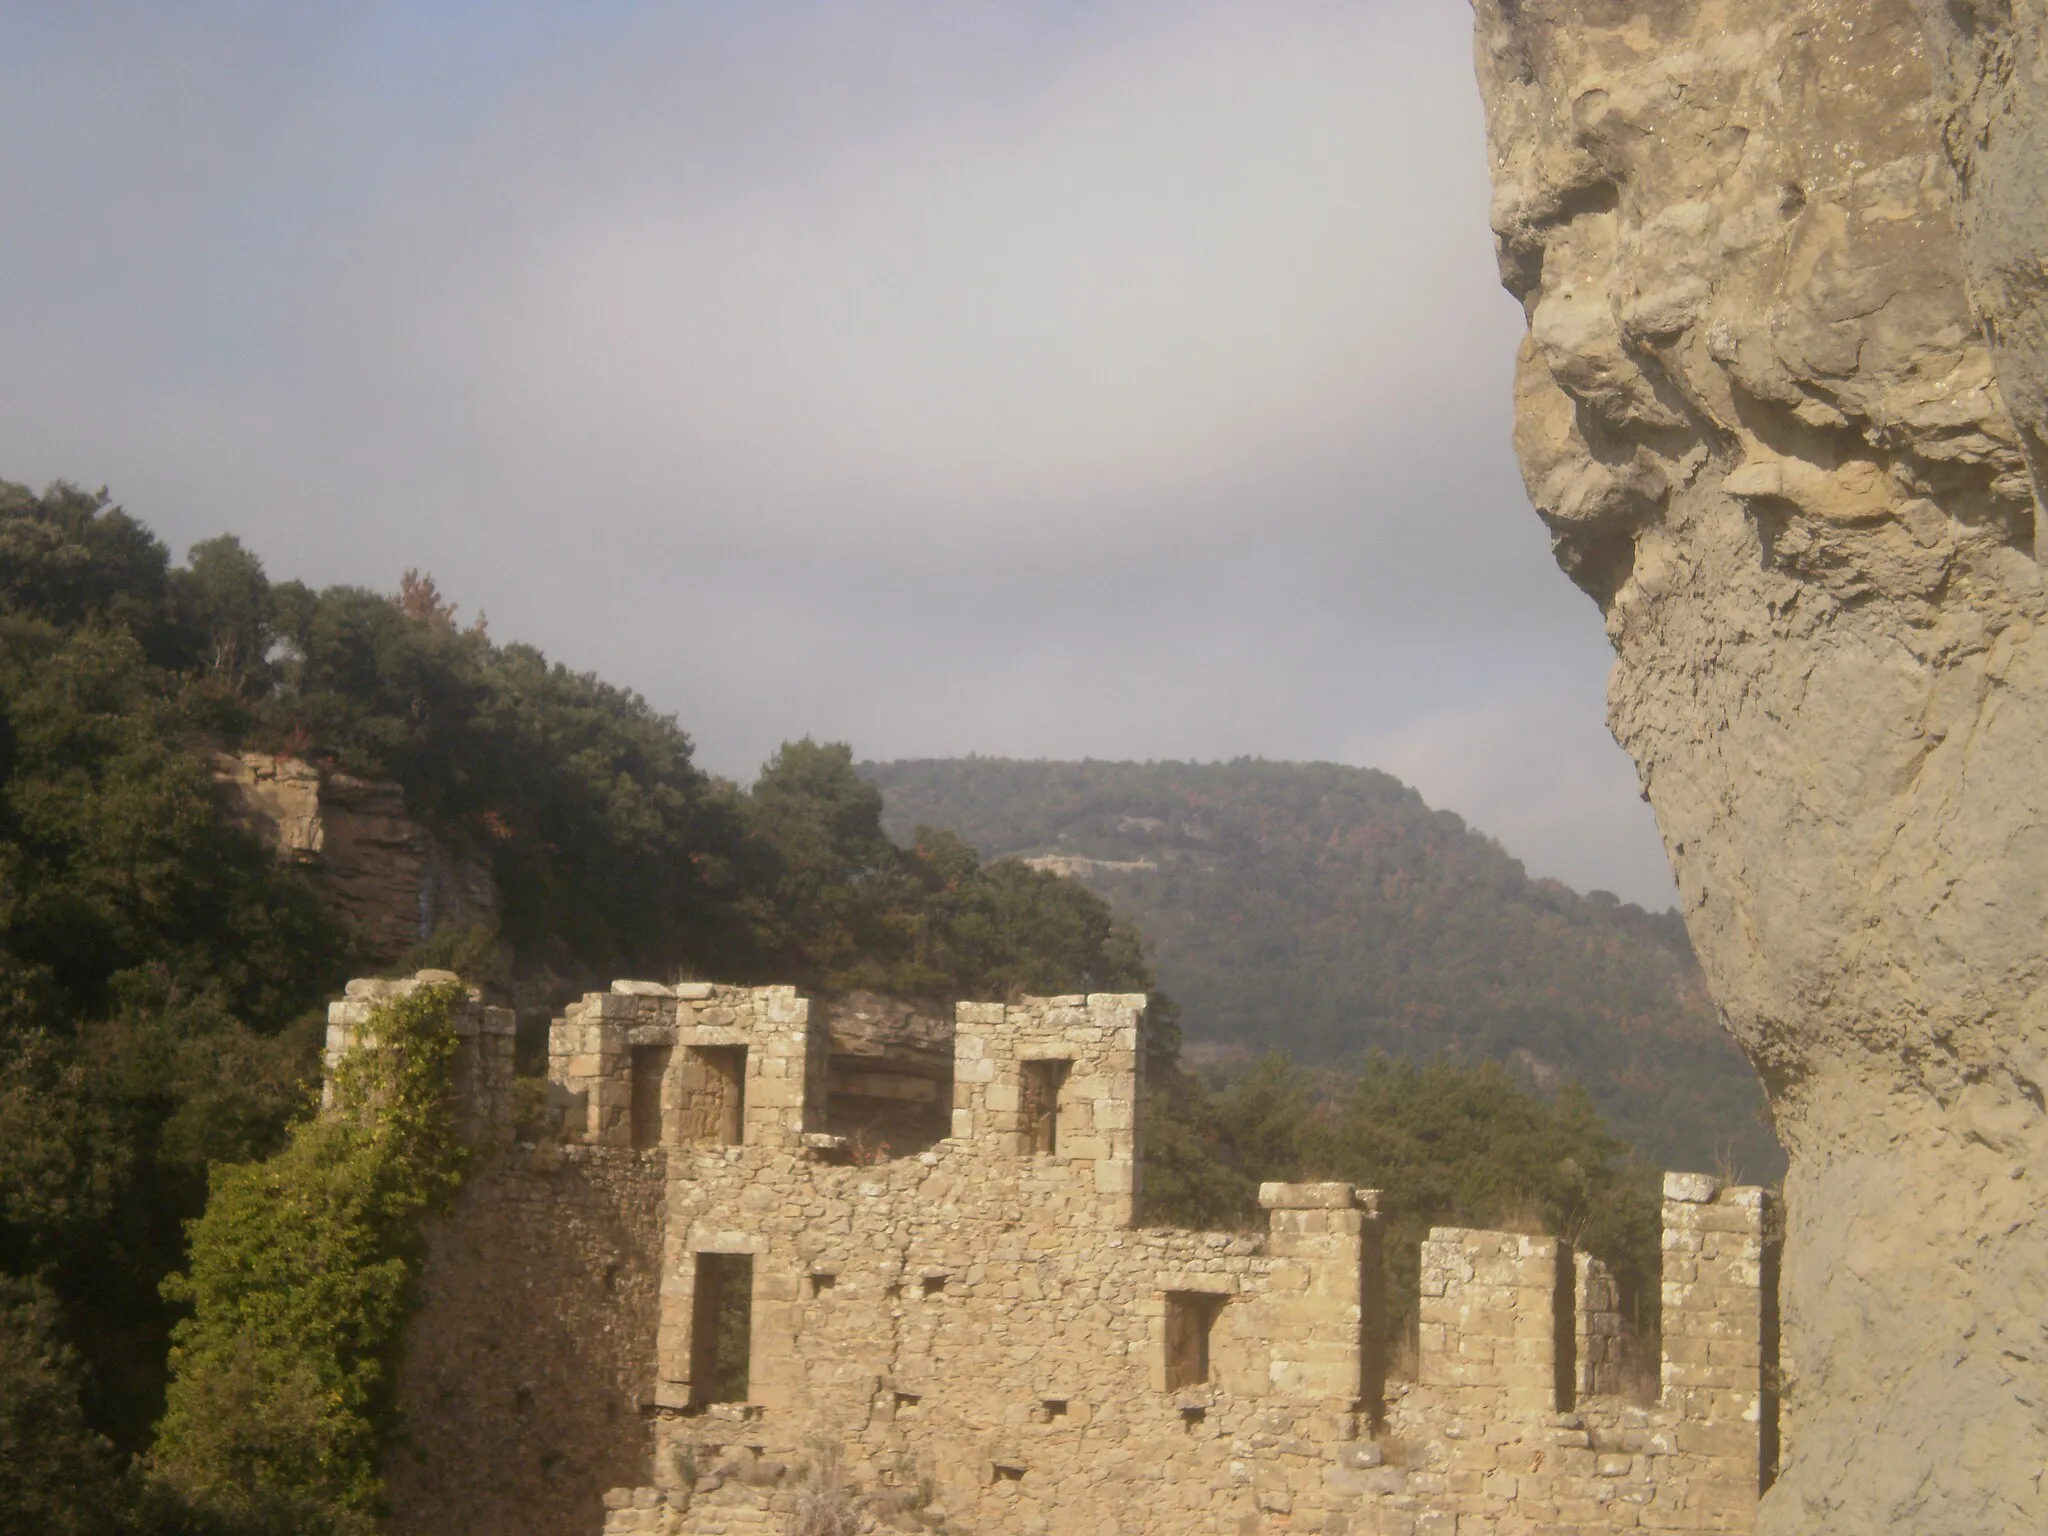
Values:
[(1061, 380)]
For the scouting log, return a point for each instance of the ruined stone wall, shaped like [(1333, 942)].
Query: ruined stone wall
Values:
[(531, 1357), (1488, 1331), (482, 1073), (983, 1340), (1780, 407)]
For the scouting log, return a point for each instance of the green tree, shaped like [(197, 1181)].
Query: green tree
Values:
[(224, 597), (57, 1478), (1453, 1145), (300, 1282)]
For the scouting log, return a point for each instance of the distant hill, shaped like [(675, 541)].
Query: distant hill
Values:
[(1328, 912)]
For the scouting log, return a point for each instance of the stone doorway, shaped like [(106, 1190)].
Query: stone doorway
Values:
[(721, 1329)]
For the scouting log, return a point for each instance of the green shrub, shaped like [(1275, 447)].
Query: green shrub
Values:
[(300, 1281), (56, 1475)]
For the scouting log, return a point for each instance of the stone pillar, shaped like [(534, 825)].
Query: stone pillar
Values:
[(1600, 1340), (1490, 1318), (589, 1069), (1719, 1327), (1099, 1038), (774, 1025), (1323, 1299), (482, 1070)]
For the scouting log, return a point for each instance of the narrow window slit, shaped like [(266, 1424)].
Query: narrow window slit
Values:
[(1190, 1315), (1039, 1105)]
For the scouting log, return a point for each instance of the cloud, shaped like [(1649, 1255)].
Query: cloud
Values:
[(1126, 379), (1523, 769)]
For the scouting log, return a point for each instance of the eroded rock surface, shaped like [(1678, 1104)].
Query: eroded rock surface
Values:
[(390, 879), (1778, 444)]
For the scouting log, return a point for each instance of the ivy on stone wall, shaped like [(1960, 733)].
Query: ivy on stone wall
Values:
[(300, 1282)]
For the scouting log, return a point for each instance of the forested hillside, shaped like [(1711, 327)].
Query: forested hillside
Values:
[(1328, 912), (163, 971)]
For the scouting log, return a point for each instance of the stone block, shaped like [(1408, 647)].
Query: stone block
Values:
[(1305, 1197), (1691, 1188), (1115, 1176)]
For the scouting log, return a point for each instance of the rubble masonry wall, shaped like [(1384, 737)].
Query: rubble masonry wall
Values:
[(990, 1342)]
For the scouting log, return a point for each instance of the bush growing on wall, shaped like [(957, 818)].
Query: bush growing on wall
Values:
[(300, 1281)]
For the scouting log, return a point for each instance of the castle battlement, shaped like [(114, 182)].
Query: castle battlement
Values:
[(653, 1322)]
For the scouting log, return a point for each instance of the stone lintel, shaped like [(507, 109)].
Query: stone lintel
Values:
[(642, 989), (1307, 1197)]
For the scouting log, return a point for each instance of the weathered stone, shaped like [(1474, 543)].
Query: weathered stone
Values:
[(1695, 1188), (984, 1314), (483, 1065), (642, 989), (1798, 469), (1306, 1197), (391, 880)]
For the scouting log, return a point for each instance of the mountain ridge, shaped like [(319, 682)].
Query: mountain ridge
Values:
[(1330, 911)]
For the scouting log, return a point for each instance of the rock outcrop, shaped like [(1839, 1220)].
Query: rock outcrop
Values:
[(1781, 404), (390, 879)]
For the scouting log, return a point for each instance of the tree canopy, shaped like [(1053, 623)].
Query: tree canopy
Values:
[(161, 975)]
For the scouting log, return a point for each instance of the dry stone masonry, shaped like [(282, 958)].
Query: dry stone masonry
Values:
[(1781, 404), (693, 1309)]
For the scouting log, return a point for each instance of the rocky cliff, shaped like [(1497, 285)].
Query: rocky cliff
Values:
[(1782, 406), (387, 877)]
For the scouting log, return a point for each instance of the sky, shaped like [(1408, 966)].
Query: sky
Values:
[(1047, 379)]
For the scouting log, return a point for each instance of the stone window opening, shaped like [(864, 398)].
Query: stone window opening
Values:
[(934, 1285), (1564, 1328), (650, 1072), (1007, 1472), (1191, 1418), (822, 1281), (1039, 1103), (1190, 1315), (721, 1329), (714, 1095), (1050, 1408), (906, 1402)]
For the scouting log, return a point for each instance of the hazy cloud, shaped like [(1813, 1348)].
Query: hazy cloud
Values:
[(1126, 380)]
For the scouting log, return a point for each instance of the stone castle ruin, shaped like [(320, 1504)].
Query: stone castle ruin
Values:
[(701, 1307)]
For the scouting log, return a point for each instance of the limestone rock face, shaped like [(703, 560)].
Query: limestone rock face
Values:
[(388, 877), (890, 1071), (1778, 443)]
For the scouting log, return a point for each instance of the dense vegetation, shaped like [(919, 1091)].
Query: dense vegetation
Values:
[(160, 976), (1326, 912), (1445, 1145), (160, 973), (285, 1374)]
